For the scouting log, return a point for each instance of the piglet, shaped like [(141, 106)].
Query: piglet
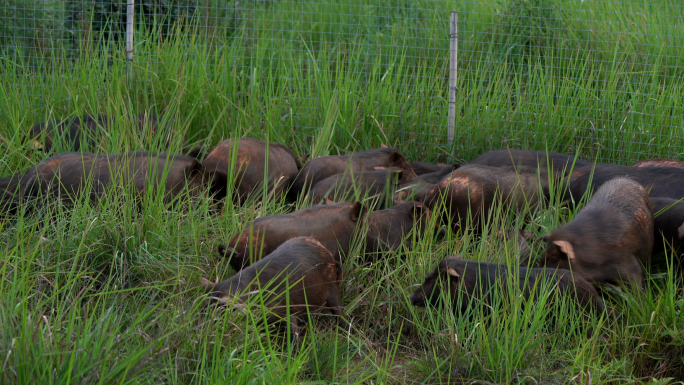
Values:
[(300, 276), (333, 224), (389, 227), (471, 190), (378, 186), (467, 283), (609, 239), (561, 164), (323, 167), (248, 162)]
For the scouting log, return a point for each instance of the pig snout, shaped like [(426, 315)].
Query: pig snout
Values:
[(417, 298)]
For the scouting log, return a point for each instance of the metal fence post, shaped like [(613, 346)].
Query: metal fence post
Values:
[(130, 15), (453, 68)]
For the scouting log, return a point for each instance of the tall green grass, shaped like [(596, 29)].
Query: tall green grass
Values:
[(100, 293)]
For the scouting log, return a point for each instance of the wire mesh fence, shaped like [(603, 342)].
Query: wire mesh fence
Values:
[(596, 76)]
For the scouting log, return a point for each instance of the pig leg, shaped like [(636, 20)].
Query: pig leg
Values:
[(294, 329)]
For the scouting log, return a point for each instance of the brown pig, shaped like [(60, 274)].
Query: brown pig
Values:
[(472, 189), (251, 164), (389, 227), (666, 182), (609, 239), (73, 173), (422, 168), (379, 185), (323, 167), (559, 163), (467, 283), (668, 224), (416, 189), (300, 276), (659, 162), (333, 225), (85, 132)]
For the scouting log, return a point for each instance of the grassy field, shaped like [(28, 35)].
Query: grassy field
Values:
[(99, 293)]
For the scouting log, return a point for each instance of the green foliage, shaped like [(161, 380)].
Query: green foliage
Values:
[(104, 293)]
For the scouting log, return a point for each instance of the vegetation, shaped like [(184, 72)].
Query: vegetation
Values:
[(102, 293)]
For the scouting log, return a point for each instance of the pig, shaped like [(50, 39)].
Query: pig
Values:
[(352, 186), (323, 167), (560, 164), (83, 133), (609, 239), (417, 188), (252, 161), (70, 174), (664, 182), (300, 270), (473, 189), (332, 224), (668, 224), (659, 162), (471, 282), (387, 228), (421, 168)]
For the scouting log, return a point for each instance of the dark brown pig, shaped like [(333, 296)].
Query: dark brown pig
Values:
[(389, 227), (667, 182), (659, 162), (421, 168), (468, 283), (333, 225), (379, 186), (73, 173), (560, 163), (323, 167), (668, 224), (251, 164), (472, 190), (416, 189), (301, 276), (86, 132), (609, 239)]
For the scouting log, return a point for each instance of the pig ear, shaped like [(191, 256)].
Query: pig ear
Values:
[(195, 151), (383, 145), (304, 158), (455, 166), (566, 248), (329, 201), (398, 202), (206, 284), (194, 168), (357, 211), (395, 158), (453, 273), (418, 211)]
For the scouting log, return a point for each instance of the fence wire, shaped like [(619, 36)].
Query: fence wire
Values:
[(598, 77)]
